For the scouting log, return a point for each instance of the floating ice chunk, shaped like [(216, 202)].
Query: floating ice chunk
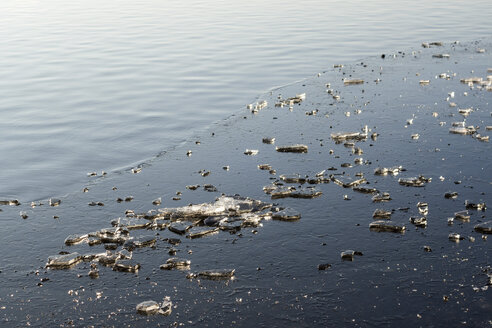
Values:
[(482, 138), (75, 239), (13, 202), (224, 205), (423, 208), (131, 223), (176, 263), (63, 261), (287, 214), (157, 201), (440, 56), (462, 216), (54, 202), (384, 197), (293, 178), (268, 140), (465, 111), (471, 80), (415, 136), (94, 271), (424, 82), (381, 214), (251, 152), (277, 192), (198, 232), (292, 149), (419, 181), (348, 255), (455, 237), (475, 206), (217, 274), (347, 182), (352, 81), (389, 170), (145, 241), (366, 190), (324, 266), (152, 307), (451, 194), (484, 227), (341, 136), (419, 221), (383, 225), (266, 167), (462, 130), (126, 266)]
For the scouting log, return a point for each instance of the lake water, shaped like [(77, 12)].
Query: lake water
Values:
[(119, 85), (105, 85)]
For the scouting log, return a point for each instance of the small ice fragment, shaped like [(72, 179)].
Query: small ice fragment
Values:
[(381, 214), (419, 221), (475, 206), (392, 170), (348, 255), (216, 274), (251, 152), (484, 227), (148, 307), (451, 194), (293, 149), (324, 266), (465, 111), (176, 263), (199, 232), (341, 136), (454, 237), (63, 261), (126, 266), (287, 214), (23, 215), (471, 80), (268, 140), (384, 197), (462, 216), (352, 81), (440, 56), (54, 202), (423, 208), (266, 167), (157, 201), (419, 181), (424, 82), (383, 225), (415, 136), (75, 239)]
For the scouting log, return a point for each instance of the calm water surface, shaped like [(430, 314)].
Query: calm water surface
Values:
[(104, 85)]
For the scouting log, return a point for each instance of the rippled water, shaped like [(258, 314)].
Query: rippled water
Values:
[(103, 85)]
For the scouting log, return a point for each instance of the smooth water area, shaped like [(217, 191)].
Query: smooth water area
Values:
[(105, 85)]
